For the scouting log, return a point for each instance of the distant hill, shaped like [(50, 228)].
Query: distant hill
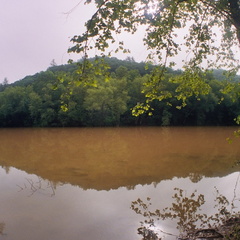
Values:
[(52, 99), (113, 63)]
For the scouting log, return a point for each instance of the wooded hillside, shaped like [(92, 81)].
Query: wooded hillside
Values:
[(47, 99)]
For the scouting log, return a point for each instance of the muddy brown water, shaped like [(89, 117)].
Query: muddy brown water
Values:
[(78, 183)]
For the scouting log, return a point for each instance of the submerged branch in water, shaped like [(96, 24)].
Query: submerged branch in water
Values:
[(39, 186)]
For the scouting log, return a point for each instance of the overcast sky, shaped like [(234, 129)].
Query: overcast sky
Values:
[(33, 33)]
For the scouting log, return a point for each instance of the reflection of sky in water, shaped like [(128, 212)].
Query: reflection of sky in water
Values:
[(227, 186), (73, 213)]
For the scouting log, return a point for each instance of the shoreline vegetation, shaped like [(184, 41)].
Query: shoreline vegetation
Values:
[(229, 230), (192, 222), (50, 99)]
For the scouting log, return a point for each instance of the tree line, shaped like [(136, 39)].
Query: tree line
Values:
[(47, 99)]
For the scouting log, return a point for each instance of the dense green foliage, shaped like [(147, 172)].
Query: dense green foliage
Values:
[(203, 34), (197, 20), (48, 99)]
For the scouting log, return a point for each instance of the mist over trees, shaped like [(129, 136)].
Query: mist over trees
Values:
[(47, 99)]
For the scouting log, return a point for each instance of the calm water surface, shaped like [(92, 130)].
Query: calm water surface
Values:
[(79, 183)]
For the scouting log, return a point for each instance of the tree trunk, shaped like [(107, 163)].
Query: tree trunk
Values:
[(235, 15)]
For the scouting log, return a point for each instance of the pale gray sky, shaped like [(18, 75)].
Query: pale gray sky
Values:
[(33, 33)]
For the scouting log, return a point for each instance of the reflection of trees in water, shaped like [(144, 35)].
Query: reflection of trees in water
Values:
[(6, 168), (2, 226), (191, 221), (195, 177), (41, 186)]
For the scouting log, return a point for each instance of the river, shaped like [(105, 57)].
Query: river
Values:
[(79, 183)]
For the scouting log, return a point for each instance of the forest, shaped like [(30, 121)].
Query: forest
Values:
[(48, 99)]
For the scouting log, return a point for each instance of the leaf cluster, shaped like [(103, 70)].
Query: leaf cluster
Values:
[(185, 211), (207, 33)]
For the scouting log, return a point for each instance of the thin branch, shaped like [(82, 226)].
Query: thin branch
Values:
[(73, 9), (234, 191), (223, 12)]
